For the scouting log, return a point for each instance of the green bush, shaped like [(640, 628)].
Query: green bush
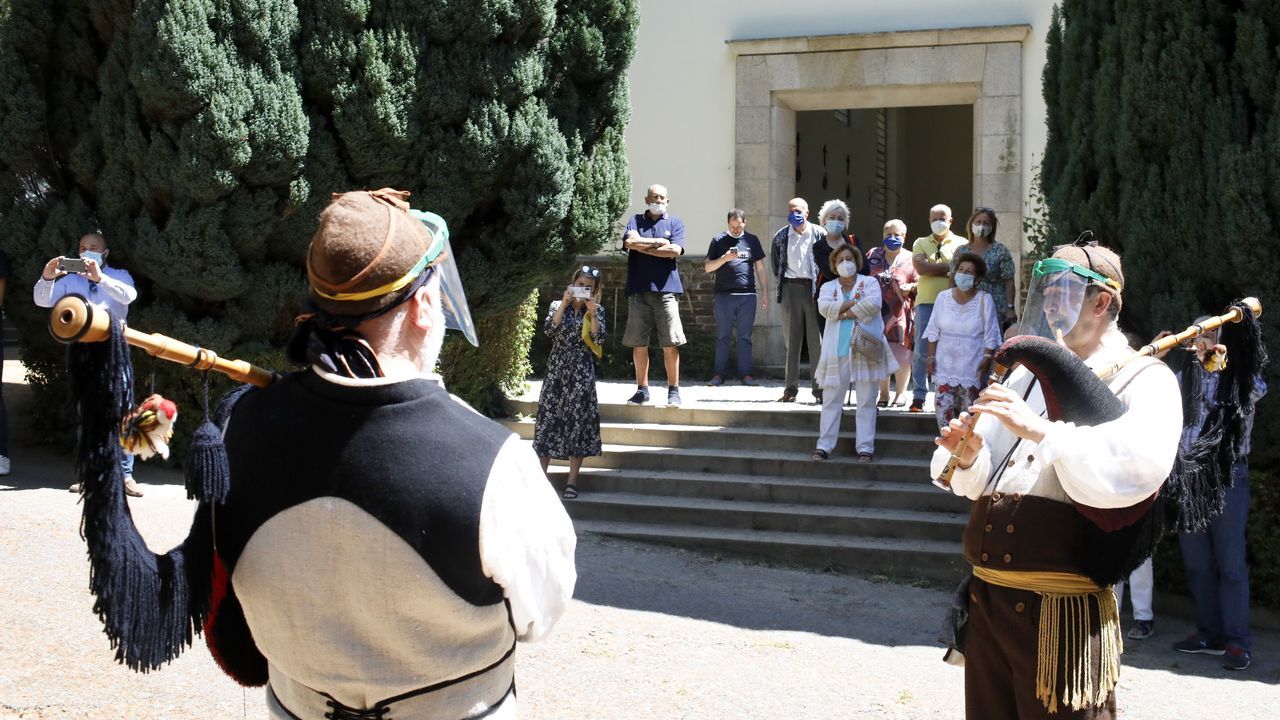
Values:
[(203, 139), (486, 375)]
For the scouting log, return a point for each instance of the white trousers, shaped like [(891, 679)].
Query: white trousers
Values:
[(1141, 585), (865, 393)]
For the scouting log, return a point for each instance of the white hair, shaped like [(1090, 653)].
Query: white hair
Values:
[(940, 208), (897, 224), (830, 205)]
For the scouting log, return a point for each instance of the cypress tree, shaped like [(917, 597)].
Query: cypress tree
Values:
[(1164, 138), (204, 136)]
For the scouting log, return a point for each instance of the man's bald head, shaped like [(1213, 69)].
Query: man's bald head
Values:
[(656, 193), (798, 204), (93, 242)]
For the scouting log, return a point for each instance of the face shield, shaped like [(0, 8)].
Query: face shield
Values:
[(457, 314), (1056, 297)]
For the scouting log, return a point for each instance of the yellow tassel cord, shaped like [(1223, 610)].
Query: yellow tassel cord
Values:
[(1064, 608)]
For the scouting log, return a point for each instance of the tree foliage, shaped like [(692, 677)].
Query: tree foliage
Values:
[(203, 137), (1164, 139)]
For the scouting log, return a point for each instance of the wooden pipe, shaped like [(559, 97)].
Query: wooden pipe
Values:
[(74, 319)]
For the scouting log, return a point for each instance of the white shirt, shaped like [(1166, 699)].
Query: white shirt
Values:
[(114, 292), (1114, 464), (800, 253), (962, 332)]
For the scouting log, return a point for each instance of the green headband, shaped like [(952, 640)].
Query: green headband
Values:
[(1051, 266)]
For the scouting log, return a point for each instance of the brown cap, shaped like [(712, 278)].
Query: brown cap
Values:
[(366, 242), (1098, 259)]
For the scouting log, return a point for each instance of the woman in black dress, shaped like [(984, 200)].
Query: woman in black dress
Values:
[(568, 424)]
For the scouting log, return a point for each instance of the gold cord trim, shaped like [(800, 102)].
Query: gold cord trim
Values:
[(1064, 607)]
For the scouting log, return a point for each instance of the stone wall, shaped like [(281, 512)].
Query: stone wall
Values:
[(697, 314)]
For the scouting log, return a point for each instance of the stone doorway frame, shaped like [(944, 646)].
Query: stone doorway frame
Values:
[(777, 77)]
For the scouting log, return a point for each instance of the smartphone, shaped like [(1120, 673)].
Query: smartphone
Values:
[(580, 293), (71, 265)]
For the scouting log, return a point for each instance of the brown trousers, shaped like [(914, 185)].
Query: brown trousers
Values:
[(1002, 637)]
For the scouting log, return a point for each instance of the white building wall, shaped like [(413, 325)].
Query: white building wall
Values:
[(683, 95)]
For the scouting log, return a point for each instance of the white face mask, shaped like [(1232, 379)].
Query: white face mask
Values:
[(981, 229), (846, 268), (657, 209), (939, 226)]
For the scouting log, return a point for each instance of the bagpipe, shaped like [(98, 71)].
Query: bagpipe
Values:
[(1192, 496), (151, 605)]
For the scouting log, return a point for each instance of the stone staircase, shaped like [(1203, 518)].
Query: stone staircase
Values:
[(733, 476)]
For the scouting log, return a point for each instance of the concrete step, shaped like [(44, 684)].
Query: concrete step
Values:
[(768, 516), (893, 444), (789, 416), (755, 463), (907, 558), (851, 492)]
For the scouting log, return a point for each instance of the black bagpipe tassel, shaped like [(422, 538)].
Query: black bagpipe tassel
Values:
[(207, 472)]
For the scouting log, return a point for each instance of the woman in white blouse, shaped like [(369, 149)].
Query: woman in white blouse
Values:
[(854, 349), (963, 334)]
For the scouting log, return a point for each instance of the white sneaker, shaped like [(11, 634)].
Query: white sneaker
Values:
[(4, 465)]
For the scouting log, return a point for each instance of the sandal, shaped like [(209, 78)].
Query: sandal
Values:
[(864, 457), (570, 492), (883, 404), (819, 455)]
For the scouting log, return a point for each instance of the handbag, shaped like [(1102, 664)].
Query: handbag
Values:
[(862, 342)]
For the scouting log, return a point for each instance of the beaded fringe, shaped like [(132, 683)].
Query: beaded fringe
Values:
[(1069, 614)]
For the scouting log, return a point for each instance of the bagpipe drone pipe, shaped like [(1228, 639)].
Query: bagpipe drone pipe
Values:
[(1117, 541)]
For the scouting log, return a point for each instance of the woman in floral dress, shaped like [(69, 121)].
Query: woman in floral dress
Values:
[(568, 424), (998, 282)]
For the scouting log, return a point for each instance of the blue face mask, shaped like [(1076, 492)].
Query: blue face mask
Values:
[(964, 281), (835, 227), (796, 218), (892, 242), (91, 255)]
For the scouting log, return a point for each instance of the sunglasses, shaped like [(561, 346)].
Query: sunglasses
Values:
[(981, 209), (590, 271)]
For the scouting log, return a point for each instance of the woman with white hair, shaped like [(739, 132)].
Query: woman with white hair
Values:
[(898, 277), (834, 218)]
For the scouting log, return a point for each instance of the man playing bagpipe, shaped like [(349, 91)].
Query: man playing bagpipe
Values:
[(377, 546), (1069, 465)]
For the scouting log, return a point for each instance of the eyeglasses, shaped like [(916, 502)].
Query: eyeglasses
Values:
[(590, 271)]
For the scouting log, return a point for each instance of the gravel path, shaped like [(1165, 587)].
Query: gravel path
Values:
[(653, 633)]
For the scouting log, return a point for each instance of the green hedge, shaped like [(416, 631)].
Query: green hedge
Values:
[(484, 375)]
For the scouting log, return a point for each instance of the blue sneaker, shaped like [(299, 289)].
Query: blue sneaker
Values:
[(717, 380), (673, 397), (1196, 645), (1236, 658), (641, 397)]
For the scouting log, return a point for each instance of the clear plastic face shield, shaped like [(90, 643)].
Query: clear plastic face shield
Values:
[(1056, 297), (457, 314)]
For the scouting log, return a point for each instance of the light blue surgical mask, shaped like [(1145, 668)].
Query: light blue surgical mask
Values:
[(964, 281), (835, 227), (92, 255)]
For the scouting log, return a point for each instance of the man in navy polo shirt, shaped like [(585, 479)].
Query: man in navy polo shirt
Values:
[(731, 257), (654, 239)]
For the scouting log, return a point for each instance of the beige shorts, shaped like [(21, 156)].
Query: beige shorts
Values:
[(649, 311)]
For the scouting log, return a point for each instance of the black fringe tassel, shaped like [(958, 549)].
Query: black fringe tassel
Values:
[(1202, 474), (151, 606), (206, 471)]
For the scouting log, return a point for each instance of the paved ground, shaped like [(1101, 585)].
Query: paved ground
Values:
[(652, 633)]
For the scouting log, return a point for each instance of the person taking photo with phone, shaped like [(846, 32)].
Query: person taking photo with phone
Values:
[(90, 277), (568, 423)]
